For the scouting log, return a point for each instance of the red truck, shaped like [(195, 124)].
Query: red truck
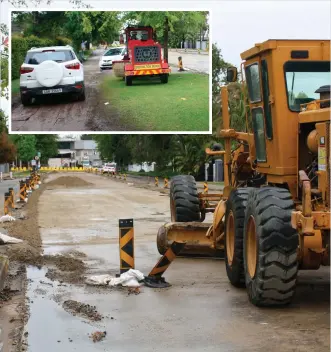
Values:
[(143, 57)]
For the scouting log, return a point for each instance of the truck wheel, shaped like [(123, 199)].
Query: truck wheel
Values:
[(270, 247), (26, 100), (164, 78), (233, 235), (128, 80), (184, 200)]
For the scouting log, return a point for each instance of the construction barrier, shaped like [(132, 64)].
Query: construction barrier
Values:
[(7, 204), (166, 183), (154, 278), (126, 241), (12, 197), (205, 187), (156, 181), (22, 195)]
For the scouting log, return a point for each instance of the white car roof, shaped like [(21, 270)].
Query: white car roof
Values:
[(56, 48)]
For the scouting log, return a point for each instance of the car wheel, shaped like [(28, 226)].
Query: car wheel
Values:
[(81, 95), (26, 100)]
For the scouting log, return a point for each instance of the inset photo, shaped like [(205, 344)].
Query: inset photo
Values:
[(110, 71)]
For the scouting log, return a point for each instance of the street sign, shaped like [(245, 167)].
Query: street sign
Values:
[(39, 154), (33, 162), (36, 158)]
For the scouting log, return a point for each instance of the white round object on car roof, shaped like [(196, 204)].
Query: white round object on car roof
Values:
[(49, 73)]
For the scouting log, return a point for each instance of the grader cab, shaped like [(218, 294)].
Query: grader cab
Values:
[(273, 216)]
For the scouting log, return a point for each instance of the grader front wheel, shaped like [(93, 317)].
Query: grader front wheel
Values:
[(184, 200), (233, 244), (270, 247)]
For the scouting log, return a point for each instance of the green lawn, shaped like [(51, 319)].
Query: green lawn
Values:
[(15, 86), (180, 105)]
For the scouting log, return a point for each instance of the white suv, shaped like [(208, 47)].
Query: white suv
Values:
[(51, 70)]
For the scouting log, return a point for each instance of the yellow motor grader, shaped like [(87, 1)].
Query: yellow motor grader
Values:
[(273, 216)]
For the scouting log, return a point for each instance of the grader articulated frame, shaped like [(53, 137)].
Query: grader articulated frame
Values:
[(273, 216)]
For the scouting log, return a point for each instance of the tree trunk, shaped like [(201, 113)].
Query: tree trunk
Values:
[(166, 38), (200, 39)]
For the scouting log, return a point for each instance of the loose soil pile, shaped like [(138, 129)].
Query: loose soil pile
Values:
[(84, 310), (68, 182)]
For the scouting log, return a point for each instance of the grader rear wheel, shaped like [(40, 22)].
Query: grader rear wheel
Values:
[(184, 200), (270, 247), (234, 227)]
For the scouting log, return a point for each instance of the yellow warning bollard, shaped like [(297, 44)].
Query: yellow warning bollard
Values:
[(120, 176), (12, 197), (180, 64), (126, 241), (124, 177), (156, 182), (166, 182), (154, 278), (7, 203), (22, 192), (205, 187)]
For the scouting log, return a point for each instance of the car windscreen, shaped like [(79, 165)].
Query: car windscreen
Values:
[(37, 57), (114, 51)]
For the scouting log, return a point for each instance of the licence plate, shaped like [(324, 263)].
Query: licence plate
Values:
[(50, 91), (146, 67)]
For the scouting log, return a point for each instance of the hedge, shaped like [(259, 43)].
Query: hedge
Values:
[(20, 45)]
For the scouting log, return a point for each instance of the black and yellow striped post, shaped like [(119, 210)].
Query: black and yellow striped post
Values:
[(205, 187), (22, 192), (7, 203), (126, 239), (12, 197), (156, 181), (154, 278), (124, 177), (120, 176), (166, 183), (27, 183)]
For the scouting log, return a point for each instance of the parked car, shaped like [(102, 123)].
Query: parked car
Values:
[(112, 54), (109, 168), (51, 71)]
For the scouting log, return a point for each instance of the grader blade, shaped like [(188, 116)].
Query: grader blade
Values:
[(195, 234)]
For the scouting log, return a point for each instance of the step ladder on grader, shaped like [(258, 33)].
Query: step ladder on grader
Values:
[(273, 216)]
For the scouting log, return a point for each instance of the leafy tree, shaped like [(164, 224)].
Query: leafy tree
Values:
[(25, 146), (3, 62), (46, 144), (7, 149)]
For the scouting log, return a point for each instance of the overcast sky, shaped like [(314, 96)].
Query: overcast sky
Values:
[(237, 25)]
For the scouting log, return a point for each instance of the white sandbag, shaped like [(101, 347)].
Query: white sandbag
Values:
[(130, 278), (7, 239), (6, 218)]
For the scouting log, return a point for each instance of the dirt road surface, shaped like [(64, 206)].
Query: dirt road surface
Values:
[(201, 311), (60, 113)]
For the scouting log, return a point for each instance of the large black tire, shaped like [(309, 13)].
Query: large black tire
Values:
[(184, 200), (26, 100), (164, 78), (161, 241), (233, 240), (274, 280)]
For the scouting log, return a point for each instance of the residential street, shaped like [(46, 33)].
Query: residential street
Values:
[(78, 217), (64, 114), (191, 61)]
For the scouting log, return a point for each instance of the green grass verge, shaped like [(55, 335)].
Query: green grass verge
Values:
[(15, 86), (180, 105)]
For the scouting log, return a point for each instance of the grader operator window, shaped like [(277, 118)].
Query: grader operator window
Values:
[(253, 82), (303, 79), (258, 127)]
